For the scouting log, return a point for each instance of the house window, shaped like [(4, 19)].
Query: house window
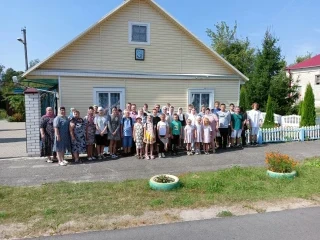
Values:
[(200, 97), (317, 81), (109, 98), (139, 33)]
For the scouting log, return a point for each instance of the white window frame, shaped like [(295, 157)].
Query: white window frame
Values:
[(203, 91), (130, 24), (317, 80), (122, 92)]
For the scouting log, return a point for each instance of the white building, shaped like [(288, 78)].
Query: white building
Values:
[(306, 72)]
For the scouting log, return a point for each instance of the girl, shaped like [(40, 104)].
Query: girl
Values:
[(214, 124), (189, 136), (149, 137), (138, 136), (182, 120), (163, 134), (114, 132), (207, 131), (198, 135), (142, 115)]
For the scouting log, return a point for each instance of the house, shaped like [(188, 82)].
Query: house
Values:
[(306, 72), (138, 53)]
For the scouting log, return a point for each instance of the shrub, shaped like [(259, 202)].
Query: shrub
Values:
[(18, 117), (269, 119), (308, 117), (281, 163), (3, 114), (164, 179)]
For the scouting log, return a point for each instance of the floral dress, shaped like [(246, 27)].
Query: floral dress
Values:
[(62, 124), (79, 144), (138, 128), (90, 130), (114, 126), (46, 123)]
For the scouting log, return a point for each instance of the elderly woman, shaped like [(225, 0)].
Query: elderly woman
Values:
[(90, 133), (78, 136), (47, 135), (61, 136), (114, 131)]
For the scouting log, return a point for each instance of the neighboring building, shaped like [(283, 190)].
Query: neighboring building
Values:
[(306, 72), (138, 53)]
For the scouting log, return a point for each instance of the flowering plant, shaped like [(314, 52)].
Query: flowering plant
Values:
[(280, 163)]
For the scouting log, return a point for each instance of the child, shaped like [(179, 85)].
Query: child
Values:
[(214, 124), (255, 119), (182, 120), (198, 135), (207, 132), (138, 136), (126, 132), (163, 133), (176, 130), (101, 123), (189, 136), (237, 124), (149, 137)]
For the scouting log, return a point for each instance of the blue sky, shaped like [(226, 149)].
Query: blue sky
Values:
[(51, 24)]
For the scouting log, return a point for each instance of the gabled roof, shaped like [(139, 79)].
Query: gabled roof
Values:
[(160, 9), (311, 62)]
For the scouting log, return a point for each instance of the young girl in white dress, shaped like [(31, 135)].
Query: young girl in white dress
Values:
[(189, 136), (198, 135), (207, 131)]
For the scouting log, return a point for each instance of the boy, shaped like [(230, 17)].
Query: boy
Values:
[(155, 120), (255, 119), (176, 133), (126, 130), (216, 107), (231, 110), (237, 125), (163, 134), (101, 137), (224, 118)]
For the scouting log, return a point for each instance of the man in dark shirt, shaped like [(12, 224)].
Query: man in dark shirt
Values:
[(155, 120)]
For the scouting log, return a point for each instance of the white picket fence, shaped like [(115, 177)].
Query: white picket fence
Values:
[(286, 134)]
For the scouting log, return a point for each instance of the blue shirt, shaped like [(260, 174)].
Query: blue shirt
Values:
[(127, 128)]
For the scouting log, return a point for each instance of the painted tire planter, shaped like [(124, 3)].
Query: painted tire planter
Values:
[(282, 175), (164, 186)]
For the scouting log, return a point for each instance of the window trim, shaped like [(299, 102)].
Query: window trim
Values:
[(203, 91), (130, 24), (317, 79), (120, 90)]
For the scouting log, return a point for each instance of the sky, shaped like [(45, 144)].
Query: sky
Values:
[(51, 24)]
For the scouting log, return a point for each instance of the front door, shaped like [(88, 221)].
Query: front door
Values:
[(109, 98)]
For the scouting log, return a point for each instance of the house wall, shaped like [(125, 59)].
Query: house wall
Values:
[(78, 92), (106, 47), (304, 76)]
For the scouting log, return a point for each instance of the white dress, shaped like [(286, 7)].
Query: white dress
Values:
[(188, 134), (207, 130), (199, 128)]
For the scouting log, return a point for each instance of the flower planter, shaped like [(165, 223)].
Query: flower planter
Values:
[(282, 175), (164, 186)]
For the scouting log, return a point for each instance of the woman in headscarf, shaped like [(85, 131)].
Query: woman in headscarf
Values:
[(78, 136), (47, 135), (61, 136), (90, 132)]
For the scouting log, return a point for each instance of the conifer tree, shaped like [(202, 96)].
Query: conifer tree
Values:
[(269, 119), (308, 117)]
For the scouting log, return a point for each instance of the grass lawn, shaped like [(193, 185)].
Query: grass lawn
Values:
[(45, 207)]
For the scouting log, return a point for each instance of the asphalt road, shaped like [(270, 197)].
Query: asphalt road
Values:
[(30, 171), (299, 224)]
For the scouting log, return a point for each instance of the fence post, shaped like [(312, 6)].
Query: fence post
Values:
[(301, 135), (260, 136)]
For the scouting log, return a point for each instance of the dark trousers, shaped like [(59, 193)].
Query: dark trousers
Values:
[(223, 139), (161, 145), (175, 142), (243, 136)]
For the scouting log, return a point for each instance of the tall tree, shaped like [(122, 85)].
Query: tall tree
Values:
[(308, 117), (33, 62), (244, 103), (268, 64), (269, 119), (235, 50), (302, 58)]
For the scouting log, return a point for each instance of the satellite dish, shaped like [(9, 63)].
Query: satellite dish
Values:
[(15, 79)]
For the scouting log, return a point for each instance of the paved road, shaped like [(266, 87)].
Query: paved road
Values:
[(30, 171), (286, 225), (12, 139)]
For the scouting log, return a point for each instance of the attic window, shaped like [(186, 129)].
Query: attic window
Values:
[(317, 81), (139, 33)]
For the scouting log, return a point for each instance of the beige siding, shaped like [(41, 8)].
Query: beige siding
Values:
[(78, 92), (106, 47)]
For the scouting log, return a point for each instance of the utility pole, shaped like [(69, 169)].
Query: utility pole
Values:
[(24, 42)]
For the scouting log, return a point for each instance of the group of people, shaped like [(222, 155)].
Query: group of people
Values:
[(145, 133)]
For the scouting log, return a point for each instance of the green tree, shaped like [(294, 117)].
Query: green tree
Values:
[(268, 64), (269, 119), (244, 103), (300, 108), (33, 62), (235, 50), (308, 117), (302, 58)]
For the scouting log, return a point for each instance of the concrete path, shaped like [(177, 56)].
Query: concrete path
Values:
[(12, 139), (286, 225), (30, 171)]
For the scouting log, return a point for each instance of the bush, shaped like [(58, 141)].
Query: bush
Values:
[(280, 163), (3, 114), (308, 117), (18, 117)]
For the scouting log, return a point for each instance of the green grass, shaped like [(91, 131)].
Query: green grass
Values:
[(48, 206), (225, 214)]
